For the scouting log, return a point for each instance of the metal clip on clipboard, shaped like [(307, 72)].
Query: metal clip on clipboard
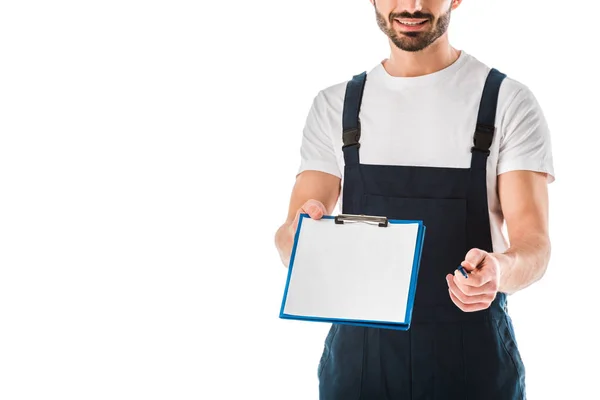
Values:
[(381, 221)]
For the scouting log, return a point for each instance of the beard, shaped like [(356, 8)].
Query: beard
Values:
[(414, 41)]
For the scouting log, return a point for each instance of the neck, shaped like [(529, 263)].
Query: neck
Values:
[(435, 57)]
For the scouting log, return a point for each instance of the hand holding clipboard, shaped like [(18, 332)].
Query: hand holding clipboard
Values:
[(285, 236)]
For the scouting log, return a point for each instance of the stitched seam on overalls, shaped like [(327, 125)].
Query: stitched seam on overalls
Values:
[(410, 385), (435, 356), (462, 339), (497, 324), (362, 365)]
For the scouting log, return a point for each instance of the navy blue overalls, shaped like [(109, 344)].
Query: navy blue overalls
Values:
[(447, 353)]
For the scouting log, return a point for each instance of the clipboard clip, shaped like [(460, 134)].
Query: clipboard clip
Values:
[(381, 221)]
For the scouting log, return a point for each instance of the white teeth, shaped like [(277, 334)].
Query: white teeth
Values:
[(410, 23)]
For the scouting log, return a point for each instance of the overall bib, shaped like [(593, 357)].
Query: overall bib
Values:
[(447, 354)]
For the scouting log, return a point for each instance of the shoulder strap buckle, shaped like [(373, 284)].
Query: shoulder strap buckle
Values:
[(351, 136), (484, 135)]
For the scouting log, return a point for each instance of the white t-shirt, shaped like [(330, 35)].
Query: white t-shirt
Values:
[(430, 120)]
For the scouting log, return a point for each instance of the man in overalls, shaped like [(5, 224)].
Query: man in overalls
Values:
[(433, 134)]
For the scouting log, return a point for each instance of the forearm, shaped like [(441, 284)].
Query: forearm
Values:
[(524, 263)]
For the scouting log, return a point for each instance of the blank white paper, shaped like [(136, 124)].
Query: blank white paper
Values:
[(355, 270)]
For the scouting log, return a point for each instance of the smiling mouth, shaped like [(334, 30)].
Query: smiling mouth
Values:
[(411, 22)]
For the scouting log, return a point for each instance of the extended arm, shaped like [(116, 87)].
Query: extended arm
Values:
[(524, 201)]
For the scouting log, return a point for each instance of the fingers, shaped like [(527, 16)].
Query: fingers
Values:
[(471, 295), (315, 209), (467, 307), (465, 285), (478, 290), (477, 279), (473, 258), (482, 268)]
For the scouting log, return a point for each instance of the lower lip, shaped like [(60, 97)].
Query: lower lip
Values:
[(411, 28)]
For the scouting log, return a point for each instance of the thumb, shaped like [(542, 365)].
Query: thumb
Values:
[(473, 258), (315, 209)]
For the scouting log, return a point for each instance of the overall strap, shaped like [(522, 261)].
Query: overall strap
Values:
[(486, 118), (350, 118), (478, 222)]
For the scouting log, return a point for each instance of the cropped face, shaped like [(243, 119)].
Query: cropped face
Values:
[(413, 25)]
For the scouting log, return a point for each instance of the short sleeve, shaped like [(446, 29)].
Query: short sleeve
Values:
[(317, 151), (525, 143)]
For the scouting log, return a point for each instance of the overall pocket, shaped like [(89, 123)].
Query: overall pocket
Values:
[(445, 240), (445, 219), (326, 349), (507, 337)]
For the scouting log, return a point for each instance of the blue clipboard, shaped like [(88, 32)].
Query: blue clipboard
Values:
[(382, 222)]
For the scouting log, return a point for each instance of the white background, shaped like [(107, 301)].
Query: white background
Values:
[(147, 153)]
